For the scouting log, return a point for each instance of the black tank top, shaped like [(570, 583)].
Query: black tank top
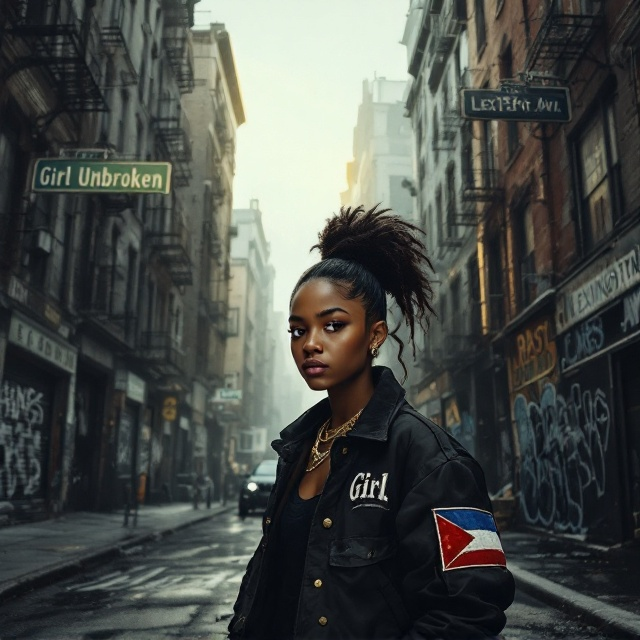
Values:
[(291, 550)]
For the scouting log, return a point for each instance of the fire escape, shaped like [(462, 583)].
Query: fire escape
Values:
[(168, 239), (480, 190), (114, 40), (563, 39), (174, 137), (178, 18), (51, 37), (162, 352), (446, 24)]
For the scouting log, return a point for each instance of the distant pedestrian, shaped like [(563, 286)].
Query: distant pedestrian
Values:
[(379, 525)]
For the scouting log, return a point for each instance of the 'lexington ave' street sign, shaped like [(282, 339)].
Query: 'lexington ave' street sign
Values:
[(58, 175), (539, 104)]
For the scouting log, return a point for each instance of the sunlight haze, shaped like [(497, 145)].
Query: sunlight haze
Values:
[(301, 65)]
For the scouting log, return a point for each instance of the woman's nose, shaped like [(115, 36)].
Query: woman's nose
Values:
[(312, 343)]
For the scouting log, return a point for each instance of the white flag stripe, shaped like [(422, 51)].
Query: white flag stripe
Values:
[(483, 539)]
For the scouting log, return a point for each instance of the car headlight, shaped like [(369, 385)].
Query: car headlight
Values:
[(252, 486)]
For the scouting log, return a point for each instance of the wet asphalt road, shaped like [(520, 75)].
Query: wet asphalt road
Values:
[(184, 586)]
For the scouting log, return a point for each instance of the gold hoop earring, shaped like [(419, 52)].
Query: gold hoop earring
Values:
[(374, 351)]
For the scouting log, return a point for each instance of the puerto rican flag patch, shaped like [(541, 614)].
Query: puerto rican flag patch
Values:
[(468, 538)]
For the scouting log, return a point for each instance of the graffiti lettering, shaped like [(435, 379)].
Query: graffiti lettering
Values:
[(582, 342), (535, 356), (563, 443), (21, 421), (631, 312)]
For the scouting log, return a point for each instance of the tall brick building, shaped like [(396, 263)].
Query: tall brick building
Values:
[(100, 381), (557, 210)]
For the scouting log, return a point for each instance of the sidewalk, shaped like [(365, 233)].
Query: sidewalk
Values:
[(599, 586), (37, 553)]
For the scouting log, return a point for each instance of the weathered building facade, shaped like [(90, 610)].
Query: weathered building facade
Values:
[(96, 394), (381, 171), (557, 234), (215, 108), (451, 390), (249, 360)]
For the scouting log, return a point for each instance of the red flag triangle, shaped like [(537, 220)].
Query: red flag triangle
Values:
[(453, 540)]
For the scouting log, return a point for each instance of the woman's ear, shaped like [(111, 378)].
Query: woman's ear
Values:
[(378, 334)]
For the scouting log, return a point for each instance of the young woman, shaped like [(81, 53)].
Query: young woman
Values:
[(379, 525)]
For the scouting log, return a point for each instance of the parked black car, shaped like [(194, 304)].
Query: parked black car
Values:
[(256, 488)]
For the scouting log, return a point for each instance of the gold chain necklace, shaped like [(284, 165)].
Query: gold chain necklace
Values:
[(316, 457)]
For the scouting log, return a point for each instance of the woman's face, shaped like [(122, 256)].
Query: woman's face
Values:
[(330, 341)]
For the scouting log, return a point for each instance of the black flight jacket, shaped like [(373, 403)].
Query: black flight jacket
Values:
[(375, 566)]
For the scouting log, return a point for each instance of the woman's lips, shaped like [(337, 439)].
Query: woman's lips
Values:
[(314, 370)]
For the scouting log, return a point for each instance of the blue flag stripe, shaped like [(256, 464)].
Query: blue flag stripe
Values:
[(468, 519)]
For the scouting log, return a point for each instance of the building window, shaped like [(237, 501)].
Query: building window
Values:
[(113, 273), (481, 26), (436, 134), (8, 145), (132, 270), (456, 307), (494, 277), (598, 179), (122, 124), (451, 201), (473, 276), (233, 322), (466, 157), (443, 310), (440, 226), (487, 158), (526, 241)]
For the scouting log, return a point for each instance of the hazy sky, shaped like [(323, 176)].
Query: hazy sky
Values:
[(301, 64)]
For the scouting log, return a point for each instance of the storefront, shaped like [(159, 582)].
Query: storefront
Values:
[(36, 419), (598, 320), (94, 388), (131, 404)]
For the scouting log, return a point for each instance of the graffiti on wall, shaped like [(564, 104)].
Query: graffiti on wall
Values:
[(582, 341), (21, 424), (597, 333), (563, 441), (125, 450), (533, 355), (631, 318)]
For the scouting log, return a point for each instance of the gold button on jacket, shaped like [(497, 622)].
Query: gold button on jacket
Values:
[(327, 523), (322, 621), (317, 583)]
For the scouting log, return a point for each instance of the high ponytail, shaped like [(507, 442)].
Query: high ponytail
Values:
[(368, 253)]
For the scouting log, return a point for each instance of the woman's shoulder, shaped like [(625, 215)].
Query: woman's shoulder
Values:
[(415, 432)]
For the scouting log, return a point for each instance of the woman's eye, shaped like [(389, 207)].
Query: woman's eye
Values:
[(334, 326), (296, 332)]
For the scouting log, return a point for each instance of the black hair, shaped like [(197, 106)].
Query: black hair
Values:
[(368, 253)]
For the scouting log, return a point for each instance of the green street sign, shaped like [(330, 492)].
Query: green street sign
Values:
[(73, 175)]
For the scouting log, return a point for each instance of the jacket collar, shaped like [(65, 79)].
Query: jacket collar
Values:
[(373, 423)]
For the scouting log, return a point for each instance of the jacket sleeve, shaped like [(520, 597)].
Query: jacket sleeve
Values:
[(464, 602)]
